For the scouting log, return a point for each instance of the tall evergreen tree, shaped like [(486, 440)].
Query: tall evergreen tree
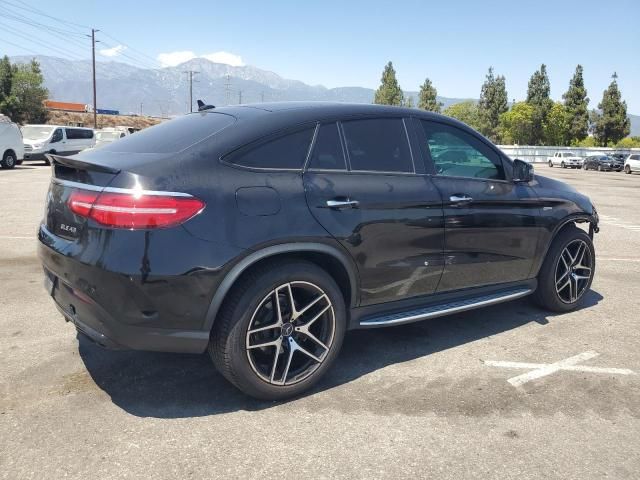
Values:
[(576, 103), (389, 92), (538, 96), (428, 97), (612, 125), (493, 102)]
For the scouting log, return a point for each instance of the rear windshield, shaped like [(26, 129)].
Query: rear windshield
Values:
[(172, 136)]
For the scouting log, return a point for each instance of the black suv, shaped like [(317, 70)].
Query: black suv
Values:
[(262, 233)]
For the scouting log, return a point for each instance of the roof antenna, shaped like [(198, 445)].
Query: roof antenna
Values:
[(202, 106)]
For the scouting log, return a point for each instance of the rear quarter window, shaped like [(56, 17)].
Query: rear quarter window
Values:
[(173, 136), (288, 151)]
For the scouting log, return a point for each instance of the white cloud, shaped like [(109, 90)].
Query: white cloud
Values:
[(226, 58), (171, 59), (112, 52)]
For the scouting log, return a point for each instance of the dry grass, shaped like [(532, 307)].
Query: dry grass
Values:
[(86, 120)]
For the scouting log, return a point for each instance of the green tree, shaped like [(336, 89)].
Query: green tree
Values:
[(428, 97), (493, 103), (538, 96), (517, 125), (557, 126), (389, 92), (24, 84), (587, 142), (577, 104), (612, 124), (467, 112), (629, 142)]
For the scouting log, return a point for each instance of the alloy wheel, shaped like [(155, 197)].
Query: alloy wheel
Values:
[(290, 333), (573, 271)]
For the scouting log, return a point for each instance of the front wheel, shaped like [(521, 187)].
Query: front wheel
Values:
[(627, 169), (8, 161), (563, 165), (550, 163), (567, 271), (279, 330)]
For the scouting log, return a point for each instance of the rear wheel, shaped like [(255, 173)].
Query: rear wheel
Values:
[(600, 168), (627, 169), (550, 163), (567, 271), (8, 160), (563, 165), (279, 330)]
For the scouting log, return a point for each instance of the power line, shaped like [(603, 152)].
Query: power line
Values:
[(43, 44), (19, 46), (37, 11)]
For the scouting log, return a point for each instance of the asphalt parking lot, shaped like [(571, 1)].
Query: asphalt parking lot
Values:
[(427, 400)]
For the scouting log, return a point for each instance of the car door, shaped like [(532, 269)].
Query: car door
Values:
[(57, 141), (491, 223), (363, 188)]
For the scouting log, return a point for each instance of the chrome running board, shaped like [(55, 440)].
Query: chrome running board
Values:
[(439, 310)]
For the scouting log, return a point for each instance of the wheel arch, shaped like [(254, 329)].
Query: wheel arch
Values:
[(567, 222), (331, 259)]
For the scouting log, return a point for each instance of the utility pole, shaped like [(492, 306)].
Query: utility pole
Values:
[(239, 97), (262, 97), (141, 104), (93, 58), (227, 89), (191, 73)]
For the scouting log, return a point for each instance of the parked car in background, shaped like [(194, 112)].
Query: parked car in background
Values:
[(621, 157), (603, 163), (192, 218), (632, 163), (104, 136), (565, 160), (11, 148), (40, 140)]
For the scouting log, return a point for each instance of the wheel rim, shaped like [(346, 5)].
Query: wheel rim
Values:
[(573, 271), (290, 333), (9, 161)]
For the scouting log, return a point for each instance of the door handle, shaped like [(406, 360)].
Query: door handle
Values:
[(340, 204), (459, 198)]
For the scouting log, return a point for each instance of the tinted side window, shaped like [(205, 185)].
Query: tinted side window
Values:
[(73, 133), (379, 145), (289, 151), (456, 153), (327, 152), (87, 133)]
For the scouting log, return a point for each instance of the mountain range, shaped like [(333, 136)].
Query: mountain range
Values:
[(165, 91)]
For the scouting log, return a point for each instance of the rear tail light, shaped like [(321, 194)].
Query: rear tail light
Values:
[(133, 210)]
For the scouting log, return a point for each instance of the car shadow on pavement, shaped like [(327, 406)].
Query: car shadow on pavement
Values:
[(164, 385)]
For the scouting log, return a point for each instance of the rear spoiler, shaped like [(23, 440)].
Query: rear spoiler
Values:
[(79, 164)]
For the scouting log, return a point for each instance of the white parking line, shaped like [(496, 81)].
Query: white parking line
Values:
[(616, 222), (539, 370)]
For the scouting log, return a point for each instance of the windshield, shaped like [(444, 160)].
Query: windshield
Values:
[(569, 154), (107, 136), (37, 133)]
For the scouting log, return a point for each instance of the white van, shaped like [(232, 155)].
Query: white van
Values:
[(58, 139), (108, 135), (11, 149)]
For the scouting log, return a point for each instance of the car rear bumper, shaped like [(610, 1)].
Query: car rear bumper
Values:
[(93, 321), (120, 308)]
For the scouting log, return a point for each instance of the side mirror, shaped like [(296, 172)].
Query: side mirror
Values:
[(522, 171)]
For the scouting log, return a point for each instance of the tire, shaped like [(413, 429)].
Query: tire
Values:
[(46, 160), (261, 372), (627, 169), (550, 164), (563, 165), (8, 160), (553, 267)]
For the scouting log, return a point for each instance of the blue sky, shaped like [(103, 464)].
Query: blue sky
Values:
[(347, 43)]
